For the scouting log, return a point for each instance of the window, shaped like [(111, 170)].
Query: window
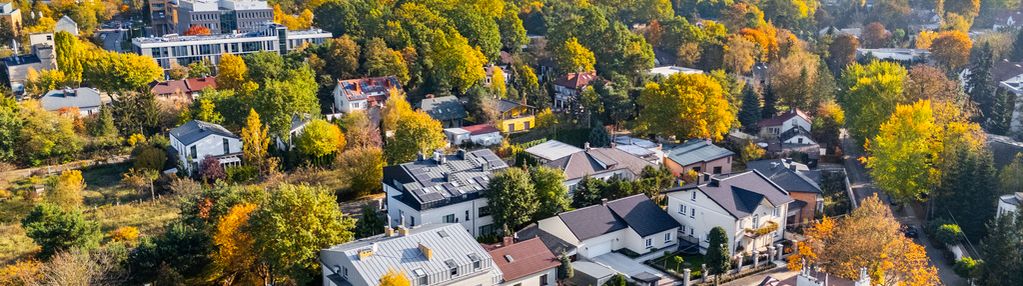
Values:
[(526, 124), (692, 212), (694, 196), (421, 276), (511, 127), (800, 140), (486, 229), (667, 237), (696, 169), (412, 221), (756, 221), (476, 264), (227, 146), (454, 271), (191, 152), (682, 209), (543, 280), (649, 243), (484, 211), (717, 170), (691, 231), (683, 228), (777, 210), (344, 271), (466, 215), (449, 218)]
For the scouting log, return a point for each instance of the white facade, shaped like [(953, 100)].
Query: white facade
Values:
[(211, 146), (603, 176), (1008, 204), (776, 130), (184, 50), (799, 139), (626, 238), (471, 214), (698, 214)]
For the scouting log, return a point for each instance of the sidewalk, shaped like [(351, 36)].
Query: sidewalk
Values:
[(781, 272)]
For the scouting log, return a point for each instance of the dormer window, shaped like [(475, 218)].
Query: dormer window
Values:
[(452, 267), (476, 263), (421, 276)]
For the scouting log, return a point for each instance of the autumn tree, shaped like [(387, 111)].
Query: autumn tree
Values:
[(740, 55), (10, 128), (255, 141), (363, 168), (792, 77), (929, 82), (66, 189), (232, 72), (119, 72), (196, 30), (574, 57), (827, 123), (360, 131), (289, 250), (56, 229), (551, 193), (320, 138), (342, 57), (497, 83), (875, 36), (379, 60), (233, 262), (414, 133), (512, 198), (207, 111), (394, 278), (951, 49), (44, 135), (901, 159), (869, 95), (69, 55), (686, 106), (925, 39)]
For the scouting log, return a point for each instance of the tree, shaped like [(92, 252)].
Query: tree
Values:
[(792, 78), (686, 106), (565, 271), (360, 131), (136, 113), (1010, 177), (750, 113), (875, 36), (968, 182), (44, 135), (56, 229), (255, 141), (574, 57), (394, 278), (598, 135), (979, 81), (929, 82), (497, 85), (181, 250), (394, 109), (210, 170), (320, 138), (481, 106), (1003, 258), (588, 191), (66, 189), (69, 56), (207, 111), (140, 179), (901, 159), (770, 103), (199, 69), (740, 54), (925, 39), (147, 157), (951, 49), (370, 223), (232, 261), (414, 133), (551, 193), (196, 30), (379, 60), (119, 72), (456, 62), (1017, 50), (10, 128), (363, 168), (965, 8), (512, 198), (290, 250), (827, 124), (513, 34), (342, 57), (232, 72), (103, 125), (718, 256), (870, 94), (869, 237)]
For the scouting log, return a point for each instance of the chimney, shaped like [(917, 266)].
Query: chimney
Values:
[(586, 146), (461, 154), (388, 231), (438, 157), (714, 182), (402, 231), (507, 240), (792, 166), (427, 252), (420, 156), (603, 201)]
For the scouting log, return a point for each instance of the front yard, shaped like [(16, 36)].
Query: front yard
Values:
[(669, 264)]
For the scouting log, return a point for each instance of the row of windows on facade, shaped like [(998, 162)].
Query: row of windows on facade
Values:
[(209, 49), (227, 149)]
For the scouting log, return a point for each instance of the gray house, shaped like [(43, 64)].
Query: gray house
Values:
[(446, 109), (86, 100)]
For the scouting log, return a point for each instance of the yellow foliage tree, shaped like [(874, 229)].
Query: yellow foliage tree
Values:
[(686, 106), (129, 234), (497, 83), (232, 73), (924, 39), (255, 140), (902, 157), (66, 190), (233, 262), (951, 49), (572, 56), (394, 278), (395, 107)]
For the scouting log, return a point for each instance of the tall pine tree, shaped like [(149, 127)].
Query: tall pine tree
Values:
[(968, 186), (750, 112), (1000, 120), (770, 103), (978, 84), (1003, 252)]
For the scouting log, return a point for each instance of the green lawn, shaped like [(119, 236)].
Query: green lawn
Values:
[(691, 261)]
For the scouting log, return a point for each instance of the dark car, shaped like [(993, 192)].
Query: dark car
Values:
[(909, 231)]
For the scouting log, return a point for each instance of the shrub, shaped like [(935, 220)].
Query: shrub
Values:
[(128, 234), (149, 157), (136, 139), (965, 267), (56, 229), (948, 234), (242, 173), (211, 170)]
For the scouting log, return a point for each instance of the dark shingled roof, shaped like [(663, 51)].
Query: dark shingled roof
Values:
[(642, 215), (443, 108), (740, 193), (196, 130), (596, 161), (777, 120), (779, 171), (591, 221)]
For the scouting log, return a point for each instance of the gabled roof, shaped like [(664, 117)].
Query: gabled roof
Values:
[(200, 83), (479, 129), (740, 193), (642, 215), (591, 221), (552, 150), (505, 105), (576, 80), (795, 131), (443, 108), (779, 171), (187, 85), (428, 183), (196, 130), (598, 160), (523, 259), (778, 120), (1003, 148), (82, 97), (695, 151), (1004, 70), (367, 88)]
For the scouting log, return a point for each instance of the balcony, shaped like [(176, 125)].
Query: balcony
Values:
[(768, 228)]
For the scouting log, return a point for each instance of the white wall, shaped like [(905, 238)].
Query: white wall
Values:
[(343, 105), (616, 239), (637, 244), (795, 121), (534, 280), (795, 140), (1004, 208), (622, 173), (708, 215), (212, 145), (398, 211)]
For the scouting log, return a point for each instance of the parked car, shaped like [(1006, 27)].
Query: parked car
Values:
[(909, 231)]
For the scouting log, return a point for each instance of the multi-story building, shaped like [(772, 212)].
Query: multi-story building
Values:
[(363, 93), (163, 17), (224, 16), (188, 49), (433, 254), (635, 223), (442, 189)]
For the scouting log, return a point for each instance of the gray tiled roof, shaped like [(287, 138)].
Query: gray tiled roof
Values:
[(591, 221), (740, 193), (598, 160), (428, 183), (449, 244), (82, 97), (552, 150), (195, 130), (695, 151), (801, 180), (443, 108), (642, 215)]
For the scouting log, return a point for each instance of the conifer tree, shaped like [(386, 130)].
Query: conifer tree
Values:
[(770, 103), (750, 112)]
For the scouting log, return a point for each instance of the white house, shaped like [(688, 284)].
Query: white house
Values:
[(634, 223), (298, 123), (442, 189), (568, 87), (480, 134), (525, 263), (85, 100), (793, 119), (599, 163), (666, 71), (363, 93), (551, 150), (1009, 204), (195, 140), (747, 205), (433, 254)]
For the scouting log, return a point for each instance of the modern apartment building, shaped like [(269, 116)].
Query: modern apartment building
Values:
[(223, 16), (188, 49), (163, 17)]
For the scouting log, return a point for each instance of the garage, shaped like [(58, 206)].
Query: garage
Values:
[(598, 249)]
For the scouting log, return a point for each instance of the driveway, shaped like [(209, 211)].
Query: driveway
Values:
[(630, 267)]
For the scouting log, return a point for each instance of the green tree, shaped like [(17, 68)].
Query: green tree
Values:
[(370, 223), (968, 183), (903, 154), (718, 256), (66, 189), (342, 57), (69, 58), (1017, 50), (10, 128), (480, 29), (512, 198), (513, 34), (565, 271), (363, 168), (56, 229), (588, 191), (551, 193), (749, 114), (686, 106), (414, 133), (320, 138), (1010, 178), (199, 69), (148, 157), (283, 96), (574, 57), (207, 111), (979, 82), (45, 135), (289, 250), (379, 60), (1003, 251), (598, 136), (457, 63), (103, 124), (870, 94), (182, 248)]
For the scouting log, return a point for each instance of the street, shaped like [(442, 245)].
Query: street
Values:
[(863, 187)]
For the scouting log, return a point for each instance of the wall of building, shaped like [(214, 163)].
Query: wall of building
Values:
[(708, 215), (678, 170), (517, 124), (766, 213), (399, 212), (637, 244), (556, 227), (810, 210), (212, 145), (615, 238)]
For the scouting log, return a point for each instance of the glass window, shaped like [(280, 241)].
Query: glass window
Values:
[(466, 215), (667, 237), (692, 212), (694, 195), (682, 209), (449, 218), (756, 221), (543, 280), (192, 152), (649, 242), (454, 271), (421, 275), (484, 211), (717, 170), (227, 146)]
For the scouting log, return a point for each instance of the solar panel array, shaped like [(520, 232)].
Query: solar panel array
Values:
[(457, 176)]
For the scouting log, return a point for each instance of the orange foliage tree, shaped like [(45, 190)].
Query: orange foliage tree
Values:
[(951, 49), (233, 262), (197, 31)]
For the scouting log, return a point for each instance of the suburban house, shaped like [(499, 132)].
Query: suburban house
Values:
[(525, 263), (182, 89), (514, 117), (568, 87), (67, 25), (363, 93), (17, 67), (797, 179), (1009, 204), (793, 119), (632, 223), (446, 109), (901, 55), (11, 15), (599, 163), (83, 99), (479, 134), (551, 150), (195, 140), (646, 149), (699, 156), (442, 189), (432, 254), (747, 205), (298, 123)]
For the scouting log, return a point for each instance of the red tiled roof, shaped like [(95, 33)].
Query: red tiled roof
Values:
[(576, 80), (528, 257), (200, 83), (777, 120), (189, 85), (480, 129)]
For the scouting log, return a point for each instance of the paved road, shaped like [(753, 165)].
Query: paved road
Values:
[(631, 267), (863, 187)]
